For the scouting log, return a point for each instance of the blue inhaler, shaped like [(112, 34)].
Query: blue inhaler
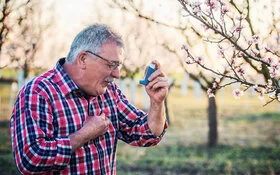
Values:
[(150, 70)]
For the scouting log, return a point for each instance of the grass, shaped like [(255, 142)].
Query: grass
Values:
[(7, 166), (198, 159), (249, 139), (8, 73)]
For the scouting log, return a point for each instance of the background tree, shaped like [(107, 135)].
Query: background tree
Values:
[(248, 51), (12, 15)]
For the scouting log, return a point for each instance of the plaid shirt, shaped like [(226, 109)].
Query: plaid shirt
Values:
[(51, 107)]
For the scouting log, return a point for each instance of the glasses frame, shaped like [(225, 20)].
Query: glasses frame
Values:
[(112, 64)]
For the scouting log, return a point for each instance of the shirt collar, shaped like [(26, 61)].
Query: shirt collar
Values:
[(63, 80)]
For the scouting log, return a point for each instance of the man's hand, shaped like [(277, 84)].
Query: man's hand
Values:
[(157, 88), (93, 127)]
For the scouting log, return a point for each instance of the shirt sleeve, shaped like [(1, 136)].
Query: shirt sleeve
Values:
[(36, 150), (133, 122)]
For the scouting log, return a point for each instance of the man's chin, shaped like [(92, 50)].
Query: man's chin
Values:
[(101, 92)]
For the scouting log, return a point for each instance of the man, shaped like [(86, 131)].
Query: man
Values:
[(69, 119)]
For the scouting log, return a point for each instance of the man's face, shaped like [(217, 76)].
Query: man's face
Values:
[(99, 72)]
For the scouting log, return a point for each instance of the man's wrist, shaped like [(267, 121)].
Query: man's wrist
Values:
[(156, 104), (76, 140)]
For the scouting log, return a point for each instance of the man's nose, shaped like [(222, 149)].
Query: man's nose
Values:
[(116, 73)]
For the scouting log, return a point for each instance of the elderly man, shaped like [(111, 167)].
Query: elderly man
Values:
[(69, 119)]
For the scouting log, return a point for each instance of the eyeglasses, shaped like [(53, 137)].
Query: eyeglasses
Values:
[(111, 64)]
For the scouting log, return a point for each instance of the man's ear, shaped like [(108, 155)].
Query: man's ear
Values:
[(81, 60)]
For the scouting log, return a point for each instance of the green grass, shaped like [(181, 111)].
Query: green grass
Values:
[(8, 73), (198, 159), (7, 165), (249, 139), (256, 117), (5, 101)]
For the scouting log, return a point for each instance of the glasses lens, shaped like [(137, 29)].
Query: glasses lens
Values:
[(115, 66)]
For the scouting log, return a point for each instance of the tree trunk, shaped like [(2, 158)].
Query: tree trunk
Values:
[(212, 122), (171, 84), (167, 111)]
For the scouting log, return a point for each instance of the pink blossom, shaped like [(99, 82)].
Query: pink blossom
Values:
[(216, 26), (237, 93), (256, 88), (240, 54), (196, 8), (255, 39), (238, 28), (240, 71), (208, 11), (199, 60), (210, 93), (215, 84), (233, 62), (274, 70), (225, 10), (221, 51), (261, 96), (272, 73), (255, 52), (186, 2), (221, 2), (267, 50), (188, 61), (211, 4), (275, 66), (205, 27), (269, 60)]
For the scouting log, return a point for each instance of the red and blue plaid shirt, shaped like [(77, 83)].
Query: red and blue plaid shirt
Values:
[(51, 107)]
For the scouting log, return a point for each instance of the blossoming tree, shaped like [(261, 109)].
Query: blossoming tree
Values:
[(244, 56), (21, 33)]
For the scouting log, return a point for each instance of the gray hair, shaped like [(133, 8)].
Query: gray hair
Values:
[(92, 38)]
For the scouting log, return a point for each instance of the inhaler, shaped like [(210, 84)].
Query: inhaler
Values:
[(151, 68)]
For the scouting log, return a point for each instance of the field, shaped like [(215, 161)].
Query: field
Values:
[(249, 139)]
